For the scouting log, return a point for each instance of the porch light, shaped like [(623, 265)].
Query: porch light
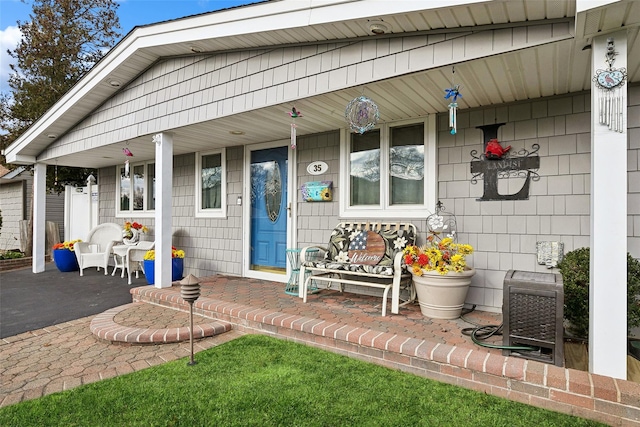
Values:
[(378, 28), (114, 83), (236, 132), (190, 291), (52, 136)]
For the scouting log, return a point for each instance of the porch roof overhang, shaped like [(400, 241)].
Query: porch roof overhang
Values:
[(544, 70)]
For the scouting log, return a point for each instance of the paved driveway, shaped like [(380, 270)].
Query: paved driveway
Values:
[(31, 301)]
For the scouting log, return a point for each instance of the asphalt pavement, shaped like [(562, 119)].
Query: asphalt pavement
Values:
[(30, 301)]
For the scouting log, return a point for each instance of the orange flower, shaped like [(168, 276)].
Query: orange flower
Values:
[(68, 245)]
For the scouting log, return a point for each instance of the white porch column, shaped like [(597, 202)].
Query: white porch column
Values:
[(608, 266), (164, 182), (39, 213)]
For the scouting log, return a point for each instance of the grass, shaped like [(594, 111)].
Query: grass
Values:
[(261, 381)]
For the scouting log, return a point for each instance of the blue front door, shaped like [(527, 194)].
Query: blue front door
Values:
[(269, 209)]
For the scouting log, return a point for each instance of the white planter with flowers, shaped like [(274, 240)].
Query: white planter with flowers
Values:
[(440, 273), (442, 296)]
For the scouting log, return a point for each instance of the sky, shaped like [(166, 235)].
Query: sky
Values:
[(131, 13)]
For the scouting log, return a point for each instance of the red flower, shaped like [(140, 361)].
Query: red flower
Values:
[(423, 260)]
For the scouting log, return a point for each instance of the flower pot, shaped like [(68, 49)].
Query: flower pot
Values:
[(177, 270), (149, 273), (442, 296), (65, 260), (135, 237)]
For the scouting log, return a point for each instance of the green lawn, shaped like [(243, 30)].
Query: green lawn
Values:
[(261, 381)]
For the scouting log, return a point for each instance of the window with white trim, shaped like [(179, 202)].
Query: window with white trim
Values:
[(388, 171), (211, 184), (136, 192)]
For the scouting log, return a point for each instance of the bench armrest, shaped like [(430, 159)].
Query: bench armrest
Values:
[(398, 263), (320, 253)]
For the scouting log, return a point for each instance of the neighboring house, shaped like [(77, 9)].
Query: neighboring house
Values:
[(203, 105), (16, 189)]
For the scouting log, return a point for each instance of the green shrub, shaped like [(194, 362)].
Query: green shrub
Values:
[(11, 255), (575, 276)]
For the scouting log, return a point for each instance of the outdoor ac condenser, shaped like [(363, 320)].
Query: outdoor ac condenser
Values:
[(532, 313)]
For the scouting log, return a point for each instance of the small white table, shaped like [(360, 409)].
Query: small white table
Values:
[(120, 258)]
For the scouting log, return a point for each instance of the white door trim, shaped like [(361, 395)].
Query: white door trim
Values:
[(246, 209)]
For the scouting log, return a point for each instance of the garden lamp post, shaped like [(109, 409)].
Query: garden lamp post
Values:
[(190, 291)]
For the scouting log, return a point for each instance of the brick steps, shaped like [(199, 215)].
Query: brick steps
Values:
[(105, 327)]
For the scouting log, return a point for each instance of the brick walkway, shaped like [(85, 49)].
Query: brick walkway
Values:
[(64, 356)]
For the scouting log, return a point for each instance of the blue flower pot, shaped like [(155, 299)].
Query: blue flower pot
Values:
[(177, 269), (65, 260), (149, 273)]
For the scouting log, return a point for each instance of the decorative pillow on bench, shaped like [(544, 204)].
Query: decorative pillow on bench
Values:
[(364, 251)]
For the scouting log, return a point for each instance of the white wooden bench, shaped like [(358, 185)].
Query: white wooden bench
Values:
[(361, 254)]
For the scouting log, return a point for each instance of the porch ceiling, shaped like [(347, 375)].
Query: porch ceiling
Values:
[(552, 69)]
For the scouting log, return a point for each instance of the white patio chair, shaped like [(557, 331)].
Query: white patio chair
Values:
[(135, 256), (96, 250)]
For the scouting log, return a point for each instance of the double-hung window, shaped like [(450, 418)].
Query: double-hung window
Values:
[(136, 189), (389, 171), (211, 186)]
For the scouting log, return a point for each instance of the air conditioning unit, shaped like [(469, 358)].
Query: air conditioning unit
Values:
[(532, 315)]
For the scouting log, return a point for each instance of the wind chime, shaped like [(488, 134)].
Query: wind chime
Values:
[(362, 114), (127, 153), (294, 114), (55, 181), (611, 102), (453, 93)]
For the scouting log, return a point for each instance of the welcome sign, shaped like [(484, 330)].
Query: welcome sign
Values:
[(367, 248)]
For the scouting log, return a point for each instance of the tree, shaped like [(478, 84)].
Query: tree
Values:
[(63, 40)]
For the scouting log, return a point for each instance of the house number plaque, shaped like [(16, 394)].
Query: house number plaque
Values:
[(317, 168)]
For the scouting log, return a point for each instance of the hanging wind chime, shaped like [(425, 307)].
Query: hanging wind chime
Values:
[(294, 114), (611, 102), (127, 153), (362, 114), (55, 182), (453, 93)]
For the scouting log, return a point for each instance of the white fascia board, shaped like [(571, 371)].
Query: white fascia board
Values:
[(350, 10), (19, 159)]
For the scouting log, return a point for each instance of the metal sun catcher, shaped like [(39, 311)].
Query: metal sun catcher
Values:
[(362, 114), (190, 291)]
